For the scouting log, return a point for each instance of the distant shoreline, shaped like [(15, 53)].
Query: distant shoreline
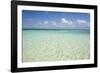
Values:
[(57, 29)]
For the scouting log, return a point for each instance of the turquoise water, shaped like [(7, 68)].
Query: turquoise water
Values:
[(55, 45)]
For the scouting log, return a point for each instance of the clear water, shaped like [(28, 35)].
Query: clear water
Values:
[(55, 45)]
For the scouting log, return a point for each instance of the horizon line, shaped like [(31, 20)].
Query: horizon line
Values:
[(51, 29)]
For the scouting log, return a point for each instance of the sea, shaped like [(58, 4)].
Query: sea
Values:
[(55, 45)]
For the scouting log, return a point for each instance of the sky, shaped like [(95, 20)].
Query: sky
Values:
[(54, 20)]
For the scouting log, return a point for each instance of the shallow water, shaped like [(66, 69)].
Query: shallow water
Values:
[(55, 45)]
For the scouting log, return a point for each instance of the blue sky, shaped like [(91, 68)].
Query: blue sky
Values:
[(55, 20)]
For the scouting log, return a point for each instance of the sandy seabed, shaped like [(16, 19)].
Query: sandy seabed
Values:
[(42, 45)]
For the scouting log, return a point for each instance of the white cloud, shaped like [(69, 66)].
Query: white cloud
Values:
[(40, 23), (53, 23), (66, 21), (63, 20), (81, 21), (46, 22)]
